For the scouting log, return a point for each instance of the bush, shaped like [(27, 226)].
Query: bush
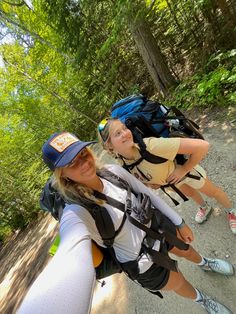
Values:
[(5, 232), (213, 86)]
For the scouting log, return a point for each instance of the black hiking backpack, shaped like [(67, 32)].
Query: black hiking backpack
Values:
[(147, 118), (143, 213), (150, 118)]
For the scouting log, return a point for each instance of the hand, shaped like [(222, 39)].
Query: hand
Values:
[(186, 234), (176, 175), (153, 186)]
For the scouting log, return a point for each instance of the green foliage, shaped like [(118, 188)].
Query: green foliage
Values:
[(20, 176), (5, 232), (213, 88)]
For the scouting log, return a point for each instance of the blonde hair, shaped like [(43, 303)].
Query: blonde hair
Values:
[(106, 134), (72, 191)]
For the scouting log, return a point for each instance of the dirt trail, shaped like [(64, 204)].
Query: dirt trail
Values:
[(23, 258)]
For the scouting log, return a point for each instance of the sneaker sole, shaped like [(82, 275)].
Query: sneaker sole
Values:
[(206, 217)]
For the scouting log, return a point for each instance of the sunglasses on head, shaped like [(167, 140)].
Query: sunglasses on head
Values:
[(101, 127)]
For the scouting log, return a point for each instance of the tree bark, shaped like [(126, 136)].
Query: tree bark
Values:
[(153, 57), (223, 5)]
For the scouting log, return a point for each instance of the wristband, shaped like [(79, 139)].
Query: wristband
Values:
[(181, 225)]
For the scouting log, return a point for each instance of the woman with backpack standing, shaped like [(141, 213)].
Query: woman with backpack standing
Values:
[(189, 178), (66, 284)]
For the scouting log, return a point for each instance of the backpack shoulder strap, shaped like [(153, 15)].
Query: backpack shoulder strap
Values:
[(152, 158), (145, 155), (113, 178), (52, 201), (104, 224)]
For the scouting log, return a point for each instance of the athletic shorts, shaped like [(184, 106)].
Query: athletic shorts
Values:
[(196, 184), (156, 277), (153, 279)]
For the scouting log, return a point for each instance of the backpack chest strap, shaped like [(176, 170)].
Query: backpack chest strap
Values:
[(131, 166)]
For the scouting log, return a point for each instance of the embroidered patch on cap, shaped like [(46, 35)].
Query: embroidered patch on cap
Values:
[(62, 141)]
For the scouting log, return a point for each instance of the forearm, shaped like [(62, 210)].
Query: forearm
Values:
[(193, 160), (196, 149), (67, 282), (185, 233), (65, 285), (164, 208)]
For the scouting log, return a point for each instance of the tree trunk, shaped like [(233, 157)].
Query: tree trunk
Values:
[(230, 21), (153, 57), (223, 5)]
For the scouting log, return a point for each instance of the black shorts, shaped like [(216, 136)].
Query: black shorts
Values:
[(156, 277)]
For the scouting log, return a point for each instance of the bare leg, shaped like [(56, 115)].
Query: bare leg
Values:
[(180, 285), (211, 190), (216, 265), (192, 193), (190, 254)]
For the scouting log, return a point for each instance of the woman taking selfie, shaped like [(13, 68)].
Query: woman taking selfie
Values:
[(67, 283)]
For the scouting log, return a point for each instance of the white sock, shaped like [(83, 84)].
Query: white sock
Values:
[(203, 261), (199, 296)]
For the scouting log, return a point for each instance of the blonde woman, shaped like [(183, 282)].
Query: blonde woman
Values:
[(66, 285), (189, 178)]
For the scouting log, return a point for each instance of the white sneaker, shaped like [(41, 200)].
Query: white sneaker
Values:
[(203, 213), (219, 266), (212, 306)]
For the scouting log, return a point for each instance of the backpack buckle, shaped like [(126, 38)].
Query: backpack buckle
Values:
[(108, 242)]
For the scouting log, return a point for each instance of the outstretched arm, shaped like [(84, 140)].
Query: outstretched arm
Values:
[(67, 282), (196, 149)]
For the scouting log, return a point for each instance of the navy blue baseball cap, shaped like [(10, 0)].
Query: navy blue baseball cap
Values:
[(61, 148)]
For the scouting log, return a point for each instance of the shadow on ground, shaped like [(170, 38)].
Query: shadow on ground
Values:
[(22, 259)]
